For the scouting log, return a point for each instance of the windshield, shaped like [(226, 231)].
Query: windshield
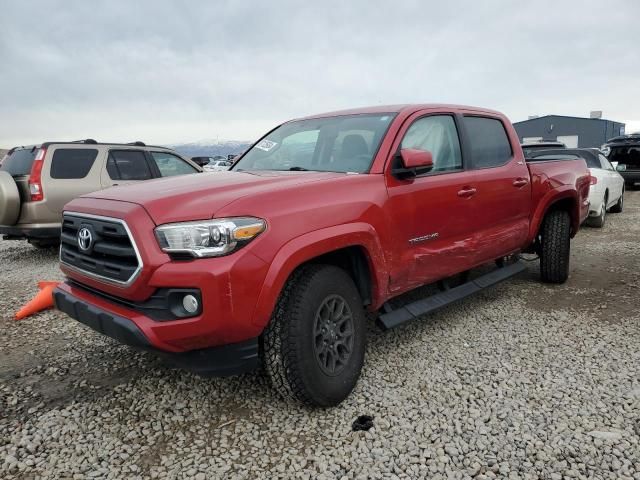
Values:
[(19, 162), (345, 143)]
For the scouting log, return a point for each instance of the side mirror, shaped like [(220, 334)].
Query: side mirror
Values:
[(410, 162), (621, 167)]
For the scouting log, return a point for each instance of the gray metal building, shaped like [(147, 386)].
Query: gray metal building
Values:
[(573, 131)]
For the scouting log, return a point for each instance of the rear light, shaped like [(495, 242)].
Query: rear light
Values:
[(35, 177), (594, 180)]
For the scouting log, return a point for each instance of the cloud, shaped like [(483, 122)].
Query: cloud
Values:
[(168, 72)]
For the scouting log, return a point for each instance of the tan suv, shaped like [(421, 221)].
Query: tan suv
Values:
[(37, 181)]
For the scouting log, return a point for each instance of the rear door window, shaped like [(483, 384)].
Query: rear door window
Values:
[(128, 165), (72, 162), (490, 145), (171, 165), (19, 162)]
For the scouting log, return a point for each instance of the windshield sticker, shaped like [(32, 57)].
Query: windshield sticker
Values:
[(266, 145)]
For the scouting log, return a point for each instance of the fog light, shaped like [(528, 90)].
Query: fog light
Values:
[(190, 303)]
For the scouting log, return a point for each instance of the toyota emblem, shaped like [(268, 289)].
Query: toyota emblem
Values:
[(85, 239)]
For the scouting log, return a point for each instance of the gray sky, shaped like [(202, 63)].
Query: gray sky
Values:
[(170, 72)]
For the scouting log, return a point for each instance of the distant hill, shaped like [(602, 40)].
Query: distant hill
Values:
[(212, 148)]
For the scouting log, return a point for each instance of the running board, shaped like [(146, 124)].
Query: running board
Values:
[(430, 304)]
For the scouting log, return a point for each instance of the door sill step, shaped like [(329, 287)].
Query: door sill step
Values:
[(392, 318)]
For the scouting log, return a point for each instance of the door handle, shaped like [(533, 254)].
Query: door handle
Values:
[(520, 182), (467, 192)]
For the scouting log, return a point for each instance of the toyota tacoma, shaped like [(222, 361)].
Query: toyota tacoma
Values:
[(319, 226)]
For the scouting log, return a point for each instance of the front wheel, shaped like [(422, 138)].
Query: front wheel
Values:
[(555, 247), (313, 348)]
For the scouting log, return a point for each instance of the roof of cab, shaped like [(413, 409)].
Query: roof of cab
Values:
[(402, 108)]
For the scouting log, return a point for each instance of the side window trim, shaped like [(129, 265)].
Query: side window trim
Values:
[(111, 159), (455, 119), (469, 149), (153, 167)]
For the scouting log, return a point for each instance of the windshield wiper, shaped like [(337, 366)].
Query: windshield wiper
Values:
[(298, 169)]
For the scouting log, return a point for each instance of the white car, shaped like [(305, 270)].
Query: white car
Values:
[(607, 188), (607, 185), (217, 166)]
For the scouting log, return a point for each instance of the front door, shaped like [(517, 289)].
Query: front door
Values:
[(433, 213)]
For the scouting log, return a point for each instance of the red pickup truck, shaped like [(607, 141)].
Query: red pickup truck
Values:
[(276, 262)]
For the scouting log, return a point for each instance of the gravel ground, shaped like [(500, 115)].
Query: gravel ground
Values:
[(522, 381)]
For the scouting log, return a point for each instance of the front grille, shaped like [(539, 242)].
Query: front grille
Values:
[(100, 247)]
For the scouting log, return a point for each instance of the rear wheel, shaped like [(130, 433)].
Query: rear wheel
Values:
[(313, 348), (617, 208), (555, 247), (598, 222)]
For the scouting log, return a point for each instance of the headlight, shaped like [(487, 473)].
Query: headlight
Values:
[(209, 238)]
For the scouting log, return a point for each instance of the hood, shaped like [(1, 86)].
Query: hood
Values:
[(200, 196)]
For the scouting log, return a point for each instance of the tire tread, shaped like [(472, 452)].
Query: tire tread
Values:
[(556, 244), (280, 338)]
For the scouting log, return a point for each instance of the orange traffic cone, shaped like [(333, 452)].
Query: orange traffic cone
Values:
[(42, 301)]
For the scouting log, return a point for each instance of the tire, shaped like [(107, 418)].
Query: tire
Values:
[(598, 222), (617, 208), (555, 247), (293, 343)]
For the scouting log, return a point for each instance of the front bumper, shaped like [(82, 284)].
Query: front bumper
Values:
[(223, 360), (230, 287)]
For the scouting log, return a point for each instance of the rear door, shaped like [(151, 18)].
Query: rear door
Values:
[(433, 213), (503, 199), (125, 166)]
